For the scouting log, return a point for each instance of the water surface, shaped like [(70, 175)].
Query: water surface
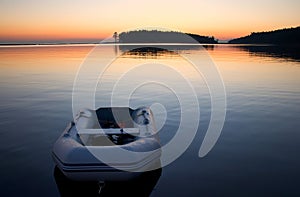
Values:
[(257, 153)]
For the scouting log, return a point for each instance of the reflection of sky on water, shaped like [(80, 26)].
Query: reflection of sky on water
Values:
[(257, 152)]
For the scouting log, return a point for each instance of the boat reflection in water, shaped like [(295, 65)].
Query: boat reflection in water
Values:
[(140, 186)]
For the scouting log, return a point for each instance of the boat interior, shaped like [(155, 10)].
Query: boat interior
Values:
[(116, 125)]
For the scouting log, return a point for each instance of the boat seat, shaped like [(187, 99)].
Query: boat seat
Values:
[(109, 131)]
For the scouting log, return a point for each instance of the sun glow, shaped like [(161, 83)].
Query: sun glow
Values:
[(59, 20)]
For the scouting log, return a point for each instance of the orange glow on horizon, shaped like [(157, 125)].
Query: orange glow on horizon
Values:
[(58, 20), (61, 34), (51, 33)]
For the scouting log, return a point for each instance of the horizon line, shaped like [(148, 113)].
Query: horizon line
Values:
[(53, 41)]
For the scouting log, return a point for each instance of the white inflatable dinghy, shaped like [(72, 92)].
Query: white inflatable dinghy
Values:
[(102, 131)]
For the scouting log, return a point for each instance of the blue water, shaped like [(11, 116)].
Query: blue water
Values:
[(257, 153)]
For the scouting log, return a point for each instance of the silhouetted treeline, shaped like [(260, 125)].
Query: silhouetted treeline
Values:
[(154, 36), (287, 36), (204, 39)]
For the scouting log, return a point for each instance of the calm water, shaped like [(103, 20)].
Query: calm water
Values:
[(257, 153)]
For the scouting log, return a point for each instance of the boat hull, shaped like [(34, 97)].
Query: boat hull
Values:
[(77, 161)]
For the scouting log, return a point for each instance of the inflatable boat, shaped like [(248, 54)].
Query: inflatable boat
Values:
[(79, 151)]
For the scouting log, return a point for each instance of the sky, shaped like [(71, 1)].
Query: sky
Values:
[(38, 20)]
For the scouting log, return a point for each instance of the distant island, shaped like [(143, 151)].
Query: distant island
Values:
[(287, 36), (283, 37), (155, 36)]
